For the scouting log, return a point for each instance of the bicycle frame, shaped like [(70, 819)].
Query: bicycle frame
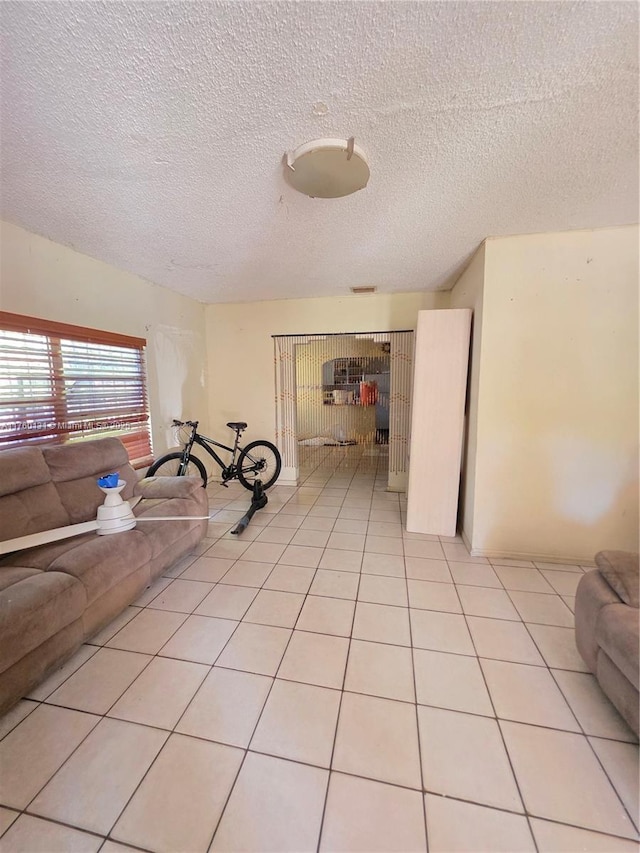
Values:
[(228, 471)]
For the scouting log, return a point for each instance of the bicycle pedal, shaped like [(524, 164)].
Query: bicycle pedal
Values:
[(222, 483)]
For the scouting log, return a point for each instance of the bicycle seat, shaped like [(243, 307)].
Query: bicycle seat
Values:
[(238, 425)]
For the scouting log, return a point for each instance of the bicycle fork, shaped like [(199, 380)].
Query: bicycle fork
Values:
[(184, 462), (186, 453)]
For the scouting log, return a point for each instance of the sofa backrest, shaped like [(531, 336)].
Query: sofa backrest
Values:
[(75, 468), (29, 501), (46, 487)]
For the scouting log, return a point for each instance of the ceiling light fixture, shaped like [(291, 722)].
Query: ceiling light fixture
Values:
[(364, 289), (327, 168)]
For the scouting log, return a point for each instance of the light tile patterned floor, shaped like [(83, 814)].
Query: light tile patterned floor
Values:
[(328, 682)]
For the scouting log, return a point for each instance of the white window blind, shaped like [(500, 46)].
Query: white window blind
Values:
[(65, 383)]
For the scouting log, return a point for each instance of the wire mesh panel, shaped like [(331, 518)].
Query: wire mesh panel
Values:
[(336, 390), (402, 344), (285, 383), (342, 390)]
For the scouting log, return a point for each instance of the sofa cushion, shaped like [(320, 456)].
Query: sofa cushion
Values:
[(592, 595), (161, 534), (617, 632), (171, 487), (76, 460), (13, 574), (81, 498), (30, 511), (18, 680), (620, 691), (101, 611), (35, 608), (22, 467), (51, 594), (100, 562), (42, 556), (620, 570), (75, 468)]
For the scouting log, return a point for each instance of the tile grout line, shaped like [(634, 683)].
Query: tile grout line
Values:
[(546, 665), (100, 717), (104, 716), (504, 744), (588, 737), (474, 646), (583, 731), (58, 822), (372, 574), (187, 615), (423, 796), (351, 775), (168, 731), (335, 734), (354, 615), (264, 705), (173, 730)]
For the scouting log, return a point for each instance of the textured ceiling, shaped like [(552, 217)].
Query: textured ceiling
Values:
[(150, 135)]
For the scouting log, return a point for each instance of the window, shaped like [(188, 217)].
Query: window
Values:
[(63, 383)]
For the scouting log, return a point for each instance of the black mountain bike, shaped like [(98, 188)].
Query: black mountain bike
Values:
[(259, 460)]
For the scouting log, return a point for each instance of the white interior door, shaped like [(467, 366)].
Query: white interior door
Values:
[(437, 421)]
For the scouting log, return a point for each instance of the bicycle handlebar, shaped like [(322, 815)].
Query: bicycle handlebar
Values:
[(185, 423)]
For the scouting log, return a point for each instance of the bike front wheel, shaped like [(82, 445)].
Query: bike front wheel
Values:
[(169, 466), (259, 460)]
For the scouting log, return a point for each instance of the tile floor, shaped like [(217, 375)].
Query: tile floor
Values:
[(329, 682)]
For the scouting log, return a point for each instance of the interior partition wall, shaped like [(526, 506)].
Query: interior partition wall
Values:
[(341, 389)]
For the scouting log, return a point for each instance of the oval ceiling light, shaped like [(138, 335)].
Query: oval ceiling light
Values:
[(327, 168)]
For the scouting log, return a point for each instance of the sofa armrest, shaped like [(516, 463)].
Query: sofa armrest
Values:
[(620, 570), (167, 487), (592, 596)]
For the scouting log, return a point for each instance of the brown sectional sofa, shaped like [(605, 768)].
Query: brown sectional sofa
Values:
[(54, 597), (608, 629)]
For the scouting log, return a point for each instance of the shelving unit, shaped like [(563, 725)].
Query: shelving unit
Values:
[(348, 371), (347, 374)]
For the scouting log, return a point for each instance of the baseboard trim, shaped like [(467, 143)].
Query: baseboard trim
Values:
[(466, 541), (288, 476), (530, 558), (570, 560), (397, 482)]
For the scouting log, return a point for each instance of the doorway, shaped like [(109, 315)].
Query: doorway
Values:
[(342, 391), (345, 393)]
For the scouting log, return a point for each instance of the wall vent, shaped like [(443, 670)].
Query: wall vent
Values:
[(363, 289)]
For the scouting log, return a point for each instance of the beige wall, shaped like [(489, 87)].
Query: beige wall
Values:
[(468, 293), (240, 348), (44, 279), (551, 458), (556, 470)]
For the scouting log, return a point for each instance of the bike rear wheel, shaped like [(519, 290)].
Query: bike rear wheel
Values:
[(259, 460), (169, 466)]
